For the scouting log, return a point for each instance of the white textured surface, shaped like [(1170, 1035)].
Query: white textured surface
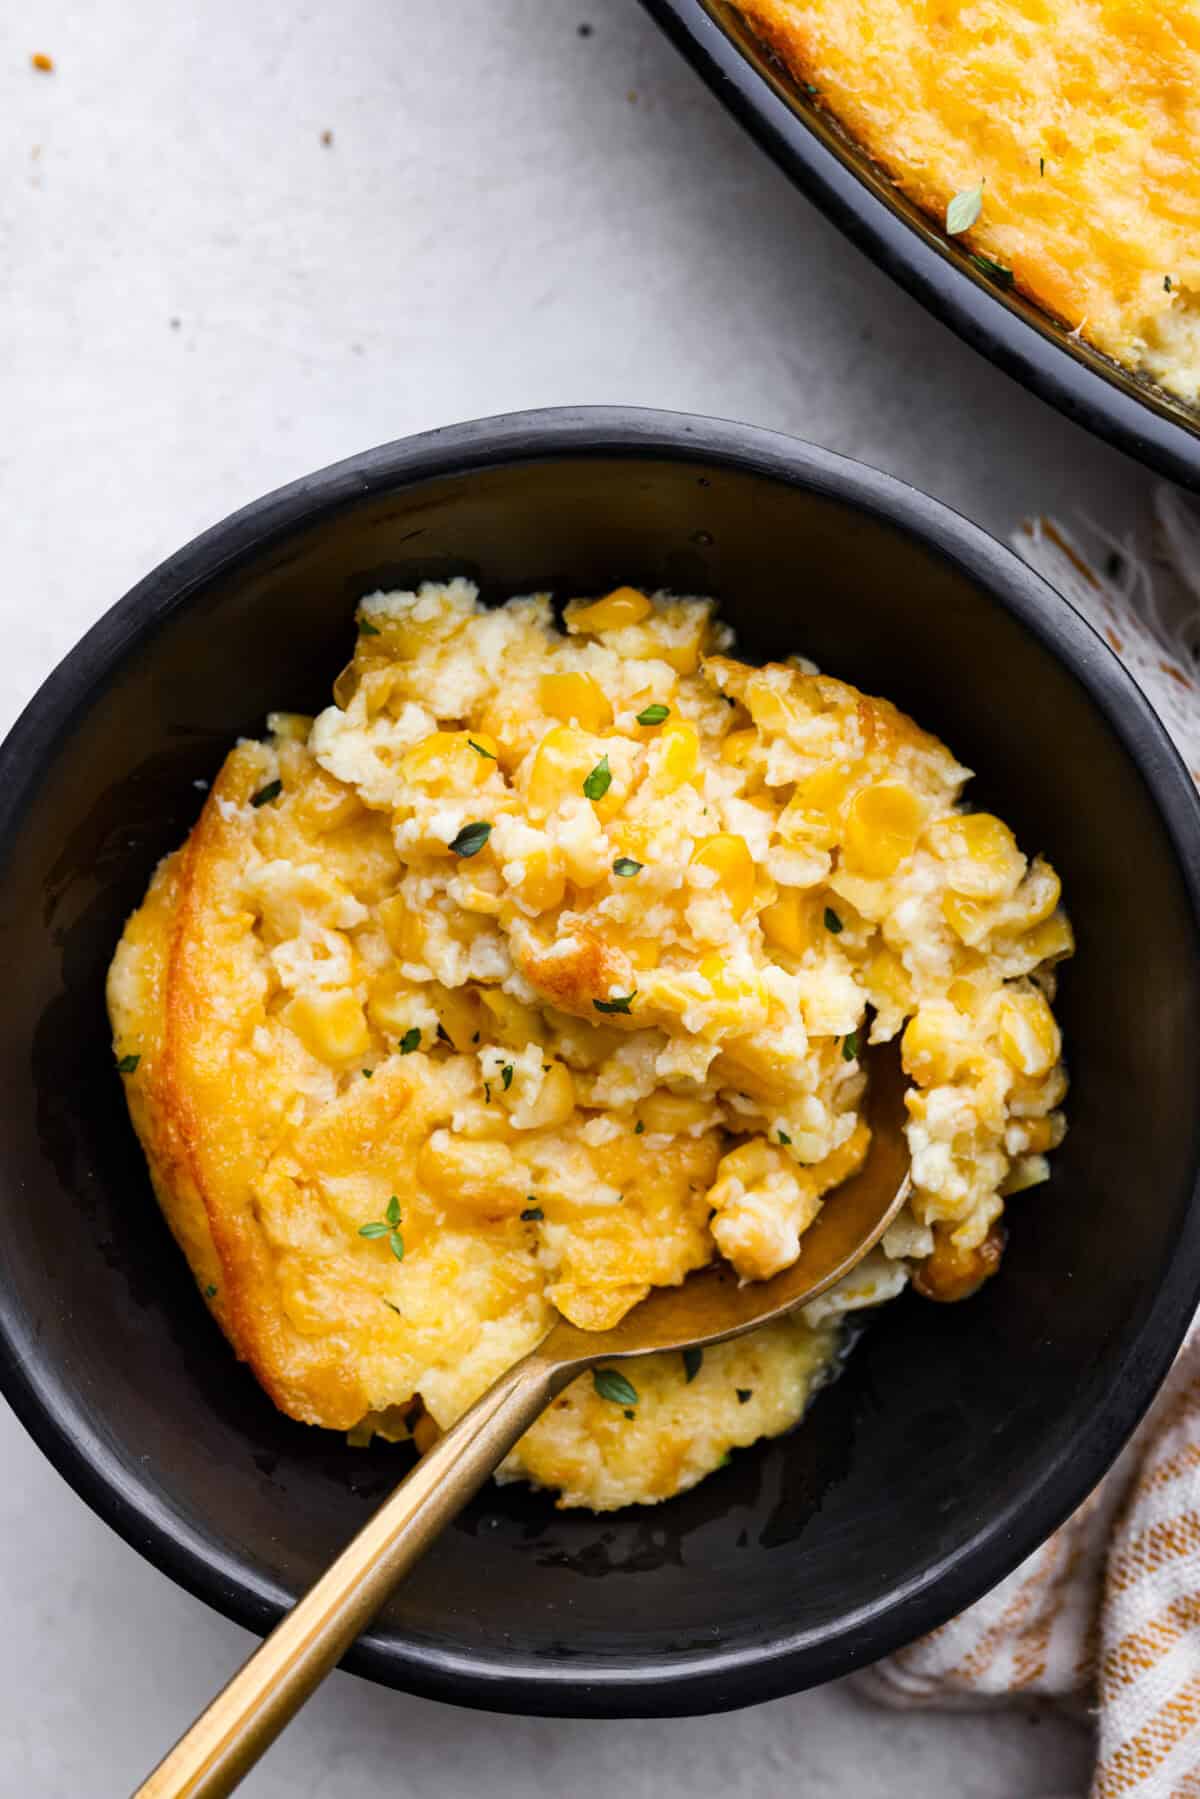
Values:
[(509, 215)]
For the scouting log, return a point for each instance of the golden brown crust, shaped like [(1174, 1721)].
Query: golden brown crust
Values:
[(1078, 118)]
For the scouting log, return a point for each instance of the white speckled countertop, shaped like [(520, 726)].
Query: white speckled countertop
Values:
[(200, 300)]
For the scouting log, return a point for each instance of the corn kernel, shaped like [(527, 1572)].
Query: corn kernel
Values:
[(543, 881), (886, 975), (514, 1023), (729, 857), (1051, 940), (989, 864), (391, 1001), (554, 1102), (644, 952), (1038, 895), (459, 1013), (813, 815), (575, 699), (672, 1113), (330, 1023), (678, 755), (562, 762), (624, 606), (882, 827), (1028, 1035), (446, 757), (402, 927), (971, 920), (737, 748), (793, 922), (929, 1051)]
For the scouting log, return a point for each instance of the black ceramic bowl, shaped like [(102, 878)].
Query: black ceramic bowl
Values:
[(958, 1436), (850, 189)]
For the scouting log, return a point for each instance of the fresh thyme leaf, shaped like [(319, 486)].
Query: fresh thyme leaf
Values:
[(480, 751), (396, 1245), (392, 1308), (471, 839), (533, 1214), (995, 271), (411, 1040), (127, 1064), (506, 1075), (1166, 284), (692, 1359), (625, 865), (266, 794), (833, 922), (393, 1211), (639, 1127), (599, 781), (783, 1137), (611, 1385), (367, 1073), (744, 1393), (210, 1292), (964, 209), (1041, 165), (653, 714), (367, 629), (374, 1229), (621, 1004), (850, 1046)]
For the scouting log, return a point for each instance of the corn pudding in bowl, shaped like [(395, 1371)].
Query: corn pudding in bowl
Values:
[(955, 1436), (535, 973)]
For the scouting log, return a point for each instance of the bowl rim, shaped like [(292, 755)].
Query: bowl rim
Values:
[(1013, 332), (697, 1680)]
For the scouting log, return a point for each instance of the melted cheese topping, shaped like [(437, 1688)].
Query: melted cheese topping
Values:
[(533, 974), (1080, 117)]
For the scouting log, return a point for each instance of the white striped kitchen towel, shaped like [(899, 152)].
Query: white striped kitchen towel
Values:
[(1107, 1612)]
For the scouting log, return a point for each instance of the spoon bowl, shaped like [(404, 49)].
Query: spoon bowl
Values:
[(211, 1759)]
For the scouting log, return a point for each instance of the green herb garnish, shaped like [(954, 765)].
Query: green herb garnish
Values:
[(444, 1036), (506, 1075), (1041, 165), (833, 922), (367, 629), (783, 1137), (621, 1004), (367, 1073), (653, 714), (210, 1292), (692, 1359), (744, 1393), (411, 1040), (639, 1127), (611, 1385), (850, 1047), (995, 271), (599, 781), (471, 838), (480, 751), (266, 794), (533, 1215), (964, 209), (629, 1413), (626, 866), (127, 1064), (1166, 284), (388, 1226)]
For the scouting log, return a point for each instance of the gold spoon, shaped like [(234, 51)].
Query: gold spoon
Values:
[(244, 1719)]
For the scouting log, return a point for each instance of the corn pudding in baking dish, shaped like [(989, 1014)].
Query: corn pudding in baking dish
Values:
[(1059, 139), (534, 973)]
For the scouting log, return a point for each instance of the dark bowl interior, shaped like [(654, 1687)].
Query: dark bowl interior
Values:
[(957, 1437), (1039, 351)]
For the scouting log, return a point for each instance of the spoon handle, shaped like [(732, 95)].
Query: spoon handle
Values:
[(244, 1719)]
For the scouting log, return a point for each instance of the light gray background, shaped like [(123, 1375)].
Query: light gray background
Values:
[(198, 300)]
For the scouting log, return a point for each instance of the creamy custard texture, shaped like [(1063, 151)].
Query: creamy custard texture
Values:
[(535, 973)]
